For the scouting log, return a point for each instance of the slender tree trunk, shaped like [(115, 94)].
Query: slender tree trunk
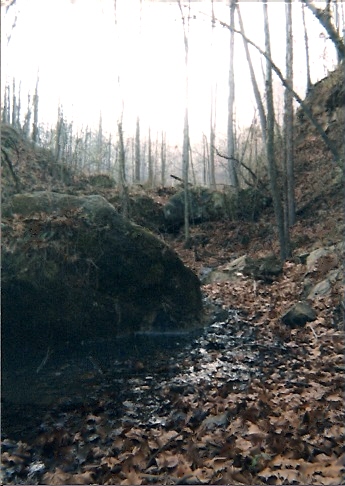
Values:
[(163, 159), (185, 150), (185, 170), (100, 144), (304, 107), (14, 103), (306, 44), (258, 99), (212, 176), (150, 161), (231, 136), (19, 106), (137, 176), (204, 161), (35, 123), (122, 173), (109, 155), (272, 170), (288, 119), (58, 142), (6, 108), (27, 120)]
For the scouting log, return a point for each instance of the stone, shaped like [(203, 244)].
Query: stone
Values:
[(73, 268), (208, 205), (325, 286), (298, 315), (204, 205), (266, 268), (315, 256)]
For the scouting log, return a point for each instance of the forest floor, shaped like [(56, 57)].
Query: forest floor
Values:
[(248, 401)]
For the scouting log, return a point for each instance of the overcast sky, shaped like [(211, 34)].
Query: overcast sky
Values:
[(80, 56)]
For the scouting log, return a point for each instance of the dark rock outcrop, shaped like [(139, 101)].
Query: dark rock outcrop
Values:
[(74, 268), (208, 205)]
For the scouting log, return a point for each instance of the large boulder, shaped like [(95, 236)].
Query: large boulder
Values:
[(204, 205), (74, 268), (207, 205)]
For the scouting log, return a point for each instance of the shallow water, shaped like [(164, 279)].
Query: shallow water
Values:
[(128, 374)]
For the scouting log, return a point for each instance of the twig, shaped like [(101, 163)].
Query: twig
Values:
[(313, 331), (158, 451), (44, 360)]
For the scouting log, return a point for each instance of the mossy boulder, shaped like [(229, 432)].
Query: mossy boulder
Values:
[(208, 205), (142, 210), (74, 268)]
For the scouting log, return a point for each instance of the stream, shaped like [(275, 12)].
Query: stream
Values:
[(127, 374)]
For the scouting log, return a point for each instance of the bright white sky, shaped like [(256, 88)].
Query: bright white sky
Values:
[(80, 55)]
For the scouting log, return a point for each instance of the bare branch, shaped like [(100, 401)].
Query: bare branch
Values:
[(286, 85)]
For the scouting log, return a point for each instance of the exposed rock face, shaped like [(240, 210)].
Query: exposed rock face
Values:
[(73, 267)]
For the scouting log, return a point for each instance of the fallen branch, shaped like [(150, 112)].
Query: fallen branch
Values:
[(255, 177), (179, 179)]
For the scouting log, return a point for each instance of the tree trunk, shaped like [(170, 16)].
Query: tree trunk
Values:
[(211, 174), (304, 107), (204, 159), (185, 150), (27, 120), (122, 173), (306, 44), (288, 119), (35, 123), (272, 170), (163, 158), (6, 107), (100, 144), (325, 19), (58, 137), (137, 175), (258, 99), (14, 103), (231, 137), (150, 161)]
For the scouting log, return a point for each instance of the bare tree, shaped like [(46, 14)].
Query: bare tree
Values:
[(185, 151), (303, 105), (211, 168), (7, 104), (122, 172), (306, 44), (150, 161), (272, 168), (137, 161), (325, 19), (163, 158), (35, 123), (231, 136), (99, 146), (288, 120), (27, 120), (58, 136), (258, 99)]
